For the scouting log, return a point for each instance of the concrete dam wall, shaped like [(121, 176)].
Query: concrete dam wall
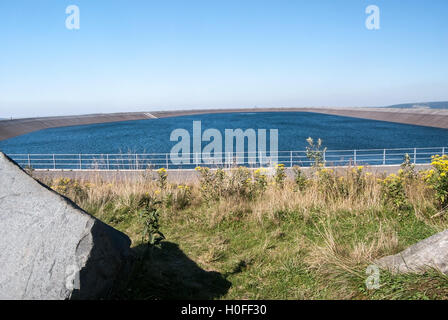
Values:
[(17, 127)]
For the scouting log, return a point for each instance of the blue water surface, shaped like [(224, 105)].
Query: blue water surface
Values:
[(153, 135)]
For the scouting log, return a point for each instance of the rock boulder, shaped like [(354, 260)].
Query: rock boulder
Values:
[(429, 253), (50, 248)]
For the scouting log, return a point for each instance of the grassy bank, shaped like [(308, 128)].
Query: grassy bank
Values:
[(246, 235)]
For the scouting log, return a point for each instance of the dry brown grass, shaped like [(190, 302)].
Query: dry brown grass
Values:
[(327, 233)]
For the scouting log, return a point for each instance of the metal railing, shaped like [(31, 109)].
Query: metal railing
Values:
[(145, 161)]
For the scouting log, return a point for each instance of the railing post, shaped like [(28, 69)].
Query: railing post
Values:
[(107, 161), (166, 158), (136, 161), (384, 157), (354, 157), (54, 162), (290, 159), (29, 161), (415, 155), (325, 157), (443, 151), (80, 162)]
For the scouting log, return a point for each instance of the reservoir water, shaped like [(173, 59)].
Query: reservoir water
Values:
[(153, 135)]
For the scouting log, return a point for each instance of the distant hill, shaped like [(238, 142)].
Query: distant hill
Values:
[(421, 105)]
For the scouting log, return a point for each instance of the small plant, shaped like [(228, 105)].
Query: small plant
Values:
[(162, 178), (208, 183), (182, 197), (408, 169), (299, 178), (315, 152), (280, 175), (327, 183), (240, 183), (394, 186), (260, 180), (357, 179), (393, 192), (149, 215)]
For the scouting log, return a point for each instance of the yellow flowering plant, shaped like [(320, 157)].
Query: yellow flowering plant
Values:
[(182, 197), (328, 183), (358, 181), (240, 183), (280, 175), (393, 191), (394, 186), (437, 178), (71, 188), (208, 185), (162, 177), (260, 179), (300, 178)]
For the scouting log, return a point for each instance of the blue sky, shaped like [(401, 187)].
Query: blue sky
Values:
[(157, 55)]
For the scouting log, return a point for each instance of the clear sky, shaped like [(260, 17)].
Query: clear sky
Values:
[(131, 55)]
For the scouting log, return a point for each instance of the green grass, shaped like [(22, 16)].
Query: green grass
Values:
[(268, 259), (282, 245)]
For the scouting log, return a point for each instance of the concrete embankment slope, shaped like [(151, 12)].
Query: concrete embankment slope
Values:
[(16, 127), (423, 117), (437, 118)]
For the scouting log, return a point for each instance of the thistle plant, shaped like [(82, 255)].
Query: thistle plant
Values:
[(315, 151), (408, 168)]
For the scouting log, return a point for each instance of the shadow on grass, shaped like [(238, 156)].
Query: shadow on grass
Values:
[(165, 272)]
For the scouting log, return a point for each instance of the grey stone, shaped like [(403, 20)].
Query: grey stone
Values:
[(50, 248), (429, 253)]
